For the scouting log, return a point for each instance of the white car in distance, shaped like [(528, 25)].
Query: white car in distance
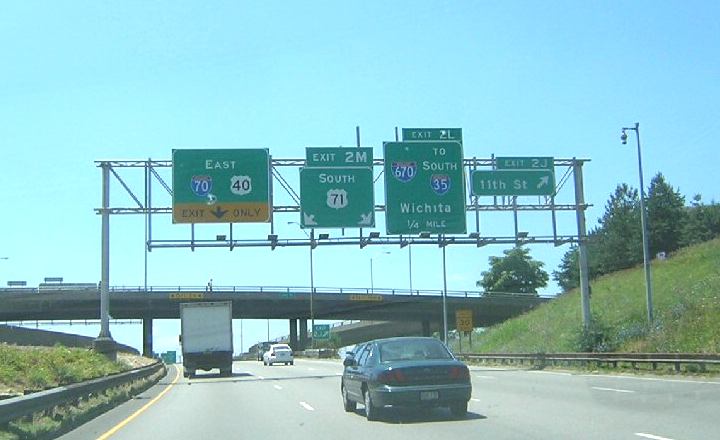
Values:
[(278, 354)]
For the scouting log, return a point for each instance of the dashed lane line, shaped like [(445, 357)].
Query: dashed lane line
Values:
[(651, 436), (616, 390), (306, 406)]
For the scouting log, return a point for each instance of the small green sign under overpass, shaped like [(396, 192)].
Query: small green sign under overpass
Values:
[(321, 331)]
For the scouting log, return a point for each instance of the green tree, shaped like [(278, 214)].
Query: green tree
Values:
[(516, 272), (666, 214), (568, 273), (620, 234), (702, 222)]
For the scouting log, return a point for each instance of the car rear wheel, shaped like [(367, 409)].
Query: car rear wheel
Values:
[(459, 409), (348, 404), (371, 411)]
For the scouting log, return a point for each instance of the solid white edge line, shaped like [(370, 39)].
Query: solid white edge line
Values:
[(650, 436), (306, 406), (277, 387), (652, 379)]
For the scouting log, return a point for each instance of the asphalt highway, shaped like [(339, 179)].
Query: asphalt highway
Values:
[(303, 401)]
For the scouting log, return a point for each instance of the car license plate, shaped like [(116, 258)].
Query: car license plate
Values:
[(428, 395)]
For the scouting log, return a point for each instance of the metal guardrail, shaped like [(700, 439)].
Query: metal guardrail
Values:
[(21, 406), (541, 360)]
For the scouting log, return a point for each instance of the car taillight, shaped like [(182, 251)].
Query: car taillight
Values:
[(459, 372), (390, 377)]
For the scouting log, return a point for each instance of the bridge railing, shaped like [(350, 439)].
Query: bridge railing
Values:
[(324, 290), (280, 290)]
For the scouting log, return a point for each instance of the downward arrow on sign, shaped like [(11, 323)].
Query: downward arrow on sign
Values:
[(218, 212)]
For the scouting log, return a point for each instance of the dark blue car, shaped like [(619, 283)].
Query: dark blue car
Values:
[(408, 371)]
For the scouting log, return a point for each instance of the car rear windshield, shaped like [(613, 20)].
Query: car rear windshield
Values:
[(411, 350)]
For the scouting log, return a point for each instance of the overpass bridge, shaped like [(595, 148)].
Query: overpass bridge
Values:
[(296, 304)]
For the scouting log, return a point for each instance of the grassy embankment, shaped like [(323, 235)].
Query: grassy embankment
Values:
[(686, 293), (36, 368)]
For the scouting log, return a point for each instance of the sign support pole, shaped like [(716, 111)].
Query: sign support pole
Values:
[(582, 239), (445, 327), (104, 343)]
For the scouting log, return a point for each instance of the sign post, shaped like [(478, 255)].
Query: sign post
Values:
[(424, 187), (432, 134), (321, 332), (336, 198), (513, 182), (221, 186), (336, 188)]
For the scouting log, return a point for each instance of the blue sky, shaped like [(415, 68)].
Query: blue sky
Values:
[(83, 81)]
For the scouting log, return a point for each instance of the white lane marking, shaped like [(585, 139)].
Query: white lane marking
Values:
[(311, 369), (650, 436), (261, 377), (652, 379), (475, 400), (277, 387), (306, 406), (612, 389), (485, 377)]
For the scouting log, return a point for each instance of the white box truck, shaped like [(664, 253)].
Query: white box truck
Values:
[(206, 336)]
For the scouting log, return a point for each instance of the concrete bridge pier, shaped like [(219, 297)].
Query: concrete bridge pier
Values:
[(294, 334), (426, 328), (147, 337), (303, 334)]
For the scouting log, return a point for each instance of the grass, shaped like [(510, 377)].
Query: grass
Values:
[(63, 419), (38, 368), (686, 294)]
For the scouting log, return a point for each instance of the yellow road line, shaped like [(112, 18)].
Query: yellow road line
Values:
[(119, 426)]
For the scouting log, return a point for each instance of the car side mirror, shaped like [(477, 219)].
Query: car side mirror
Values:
[(349, 362)]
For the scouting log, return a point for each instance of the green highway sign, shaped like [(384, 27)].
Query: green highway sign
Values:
[(337, 198), (524, 163), (169, 357), (513, 182), (221, 186), (338, 157), (321, 331), (424, 188), (432, 134)]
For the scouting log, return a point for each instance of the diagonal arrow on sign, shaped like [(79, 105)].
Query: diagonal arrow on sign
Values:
[(544, 181)]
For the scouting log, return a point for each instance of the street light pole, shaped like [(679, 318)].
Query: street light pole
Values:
[(372, 283), (643, 222), (311, 237), (410, 265)]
